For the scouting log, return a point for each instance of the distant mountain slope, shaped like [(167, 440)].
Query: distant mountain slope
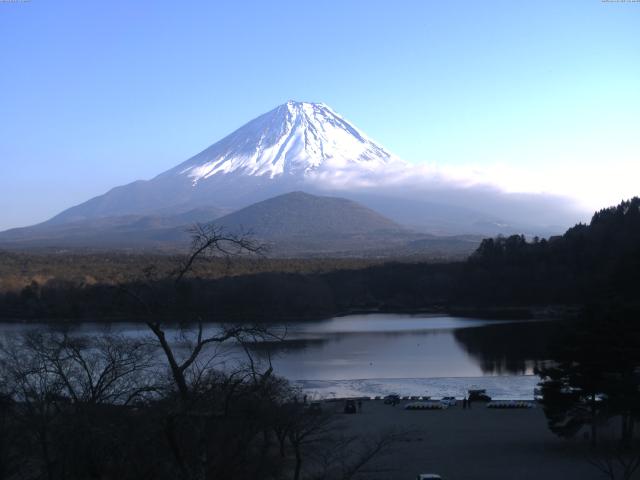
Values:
[(118, 232), (299, 214), (293, 224)]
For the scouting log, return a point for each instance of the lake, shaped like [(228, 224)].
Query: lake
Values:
[(438, 355), (377, 354)]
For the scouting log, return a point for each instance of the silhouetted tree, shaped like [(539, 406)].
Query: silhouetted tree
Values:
[(594, 374)]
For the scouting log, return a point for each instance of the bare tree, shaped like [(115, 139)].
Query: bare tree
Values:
[(349, 457), (207, 240), (39, 395), (210, 239), (205, 396), (108, 369), (317, 440), (305, 430), (62, 387)]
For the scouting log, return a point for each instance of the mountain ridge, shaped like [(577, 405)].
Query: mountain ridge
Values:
[(294, 223), (303, 146)]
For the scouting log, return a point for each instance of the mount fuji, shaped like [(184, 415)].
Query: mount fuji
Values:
[(295, 139), (305, 147), (292, 147)]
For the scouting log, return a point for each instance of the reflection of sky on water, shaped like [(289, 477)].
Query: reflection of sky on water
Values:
[(382, 322), (394, 346), (379, 355)]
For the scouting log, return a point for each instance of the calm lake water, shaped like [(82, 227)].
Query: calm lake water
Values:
[(378, 353), (407, 346)]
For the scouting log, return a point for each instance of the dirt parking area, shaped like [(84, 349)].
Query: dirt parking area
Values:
[(471, 444)]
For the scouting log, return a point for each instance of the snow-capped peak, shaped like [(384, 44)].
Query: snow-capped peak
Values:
[(297, 138)]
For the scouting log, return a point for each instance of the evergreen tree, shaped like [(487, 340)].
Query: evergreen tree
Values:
[(594, 374)]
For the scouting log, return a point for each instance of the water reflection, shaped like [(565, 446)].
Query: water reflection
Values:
[(403, 346), (383, 346), (508, 348)]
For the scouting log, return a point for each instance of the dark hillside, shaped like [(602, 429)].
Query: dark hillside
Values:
[(299, 214)]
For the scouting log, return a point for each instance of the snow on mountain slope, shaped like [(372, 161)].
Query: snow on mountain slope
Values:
[(296, 138)]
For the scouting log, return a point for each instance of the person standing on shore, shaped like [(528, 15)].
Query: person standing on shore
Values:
[(359, 406), (469, 403), (464, 403)]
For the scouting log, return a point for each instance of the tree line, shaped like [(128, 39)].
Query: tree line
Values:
[(596, 261)]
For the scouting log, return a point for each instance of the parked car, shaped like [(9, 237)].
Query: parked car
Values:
[(479, 395), (392, 399), (350, 406), (449, 401), (429, 476), (315, 407)]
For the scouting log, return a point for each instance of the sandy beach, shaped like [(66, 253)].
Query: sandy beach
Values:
[(479, 443)]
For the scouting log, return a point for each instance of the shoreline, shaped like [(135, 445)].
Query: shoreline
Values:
[(506, 313), (499, 387)]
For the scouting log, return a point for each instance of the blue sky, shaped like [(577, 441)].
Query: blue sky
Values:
[(535, 96)]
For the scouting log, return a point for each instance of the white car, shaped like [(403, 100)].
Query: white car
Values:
[(449, 401), (429, 476)]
